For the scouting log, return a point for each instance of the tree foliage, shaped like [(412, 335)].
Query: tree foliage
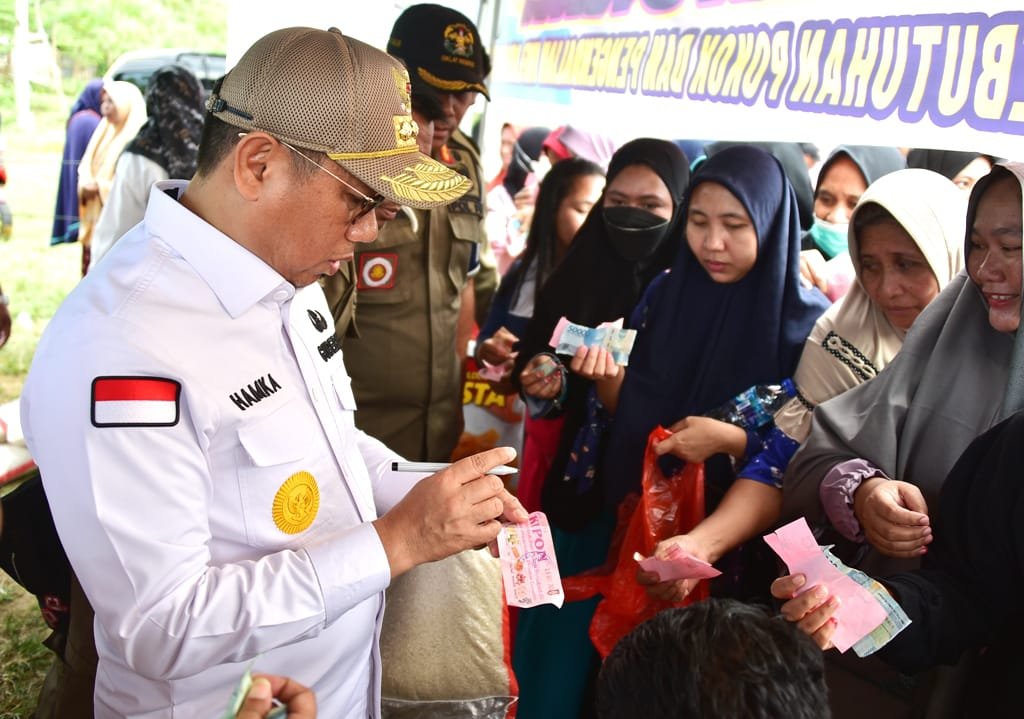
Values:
[(89, 34)]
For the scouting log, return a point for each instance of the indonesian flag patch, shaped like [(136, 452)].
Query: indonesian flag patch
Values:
[(135, 402)]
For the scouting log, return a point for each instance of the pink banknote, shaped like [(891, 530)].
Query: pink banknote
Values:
[(859, 612), (678, 565), (491, 372), (528, 566)]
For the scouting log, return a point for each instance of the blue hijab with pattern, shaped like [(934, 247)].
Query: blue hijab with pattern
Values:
[(701, 342)]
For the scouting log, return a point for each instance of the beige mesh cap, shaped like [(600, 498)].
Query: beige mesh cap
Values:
[(322, 91)]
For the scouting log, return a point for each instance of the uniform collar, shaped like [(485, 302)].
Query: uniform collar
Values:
[(239, 278)]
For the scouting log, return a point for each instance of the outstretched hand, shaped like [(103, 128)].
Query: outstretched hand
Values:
[(678, 589), (694, 439)]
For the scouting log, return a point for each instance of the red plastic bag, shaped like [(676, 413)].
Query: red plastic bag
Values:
[(667, 506)]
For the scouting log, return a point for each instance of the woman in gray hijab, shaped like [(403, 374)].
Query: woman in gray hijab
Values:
[(877, 455)]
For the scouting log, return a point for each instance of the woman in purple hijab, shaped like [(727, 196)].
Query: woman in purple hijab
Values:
[(82, 120)]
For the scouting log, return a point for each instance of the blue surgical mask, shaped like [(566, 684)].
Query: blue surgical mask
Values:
[(829, 237)]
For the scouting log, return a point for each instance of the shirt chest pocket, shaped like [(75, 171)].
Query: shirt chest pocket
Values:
[(279, 479), (465, 256), (346, 399)]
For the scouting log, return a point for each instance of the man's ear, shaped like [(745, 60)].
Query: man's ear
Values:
[(253, 156)]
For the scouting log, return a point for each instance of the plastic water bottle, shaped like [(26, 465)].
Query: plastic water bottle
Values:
[(753, 408)]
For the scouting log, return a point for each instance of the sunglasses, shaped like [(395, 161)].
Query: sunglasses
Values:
[(367, 204)]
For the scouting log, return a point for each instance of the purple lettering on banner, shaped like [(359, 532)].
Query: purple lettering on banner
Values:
[(730, 63), (942, 69), (545, 11), (658, 7), (601, 63), (667, 63), (539, 12), (953, 68), (736, 65)]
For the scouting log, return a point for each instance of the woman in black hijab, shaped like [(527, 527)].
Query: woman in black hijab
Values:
[(165, 148), (525, 152), (843, 178), (631, 235), (963, 169), (629, 238)]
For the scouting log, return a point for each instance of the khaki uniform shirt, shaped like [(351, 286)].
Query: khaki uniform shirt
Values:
[(405, 371)]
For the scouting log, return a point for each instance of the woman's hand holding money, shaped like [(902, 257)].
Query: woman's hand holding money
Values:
[(497, 354), (598, 365), (811, 610), (677, 589), (541, 378)]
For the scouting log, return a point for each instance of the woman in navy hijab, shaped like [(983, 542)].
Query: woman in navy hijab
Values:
[(731, 314), (82, 120)]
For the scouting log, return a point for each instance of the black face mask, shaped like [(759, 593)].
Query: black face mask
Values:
[(634, 233)]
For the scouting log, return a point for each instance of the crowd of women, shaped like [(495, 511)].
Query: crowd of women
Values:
[(117, 144), (889, 292)]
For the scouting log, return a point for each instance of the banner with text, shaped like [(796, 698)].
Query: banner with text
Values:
[(768, 70)]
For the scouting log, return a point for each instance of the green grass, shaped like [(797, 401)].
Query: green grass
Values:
[(36, 277), (23, 658)]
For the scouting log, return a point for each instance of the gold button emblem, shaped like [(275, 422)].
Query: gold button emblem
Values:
[(296, 503)]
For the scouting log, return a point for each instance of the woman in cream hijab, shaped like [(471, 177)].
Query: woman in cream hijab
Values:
[(124, 112), (905, 238), (884, 449)]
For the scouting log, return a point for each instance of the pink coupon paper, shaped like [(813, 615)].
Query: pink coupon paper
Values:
[(859, 613), (529, 570), (679, 565)]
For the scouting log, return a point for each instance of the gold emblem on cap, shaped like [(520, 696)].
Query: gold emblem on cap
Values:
[(458, 40), (406, 130), (427, 183), (296, 503), (402, 83)]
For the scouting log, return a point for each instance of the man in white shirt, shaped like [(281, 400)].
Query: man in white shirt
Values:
[(191, 414)]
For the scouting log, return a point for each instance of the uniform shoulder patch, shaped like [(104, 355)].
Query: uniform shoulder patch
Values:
[(133, 401)]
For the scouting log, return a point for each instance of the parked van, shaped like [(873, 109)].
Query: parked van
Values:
[(137, 66)]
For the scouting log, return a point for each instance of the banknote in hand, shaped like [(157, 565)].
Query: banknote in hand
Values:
[(569, 337)]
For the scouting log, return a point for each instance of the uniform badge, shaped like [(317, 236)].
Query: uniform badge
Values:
[(377, 271), (135, 402), (458, 40), (296, 503)]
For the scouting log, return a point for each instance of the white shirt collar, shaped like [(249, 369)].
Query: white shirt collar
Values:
[(239, 278)]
